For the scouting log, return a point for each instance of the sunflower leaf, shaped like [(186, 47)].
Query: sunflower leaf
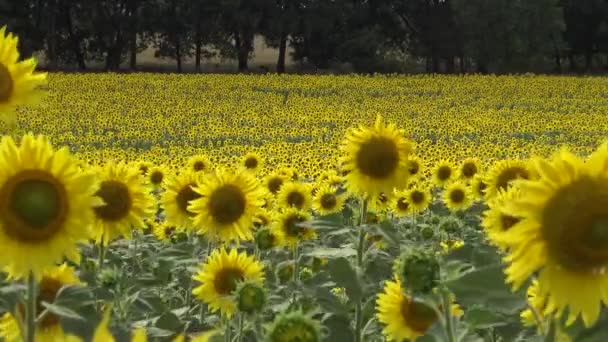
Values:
[(62, 311), (345, 276)]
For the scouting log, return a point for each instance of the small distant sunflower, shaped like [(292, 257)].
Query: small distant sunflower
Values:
[(274, 182), (457, 196), (292, 226), (262, 218), (563, 234), (403, 317), (414, 166), (418, 198), (380, 202), (46, 205), (144, 166), (295, 195), (199, 163), (443, 173), (376, 158), (227, 205), (478, 187), (163, 231), (156, 176), (253, 162), (496, 222), (220, 275), (469, 168), (326, 201), (400, 204), (501, 176), (49, 327), (126, 203), (19, 84), (179, 193)]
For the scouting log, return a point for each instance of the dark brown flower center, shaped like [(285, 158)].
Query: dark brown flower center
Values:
[(251, 162), (413, 167), (117, 199), (510, 174), (296, 199), (227, 204), (293, 227), (184, 196), (469, 169), (444, 173), (418, 315), (227, 279), (198, 166), (508, 221), (7, 84), (328, 201), (275, 184), (378, 157), (402, 204), (417, 197), (156, 177), (457, 196)]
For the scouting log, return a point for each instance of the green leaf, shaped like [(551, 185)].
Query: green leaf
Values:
[(169, 321), (339, 328), (62, 311), (484, 318), (485, 286), (344, 275)]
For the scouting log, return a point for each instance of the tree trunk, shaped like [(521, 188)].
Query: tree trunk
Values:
[(197, 55), (282, 52), (572, 62), (133, 50), (450, 65), (52, 36), (557, 56), (74, 40), (588, 60), (243, 44), (461, 61), (178, 55)]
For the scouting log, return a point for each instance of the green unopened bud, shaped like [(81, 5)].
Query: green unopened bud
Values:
[(264, 239), (294, 326), (109, 277), (419, 270), (427, 233), (250, 297), (305, 273), (450, 225), (285, 271), (435, 219)]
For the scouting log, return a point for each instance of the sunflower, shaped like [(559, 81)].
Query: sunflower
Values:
[(253, 162), (274, 182), (418, 198), (163, 231), (262, 218), (220, 275), (46, 206), (400, 204), (326, 201), (126, 203), (295, 195), (144, 166), (294, 326), (562, 235), (376, 159), (177, 197), (199, 163), (443, 173), (469, 168), (414, 166), (501, 176), (19, 85), (156, 176), (380, 202), (227, 205), (49, 327), (536, 301), (496, 222), (404, 318), (291, 226), (478, 187), (457, 196)]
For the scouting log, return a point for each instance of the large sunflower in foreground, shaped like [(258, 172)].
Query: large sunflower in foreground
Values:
[(376, 159), (563, 234), (292, 226), (227, 205), (127, 203), (403, 317), (19, 85), (48, 328), (46, 206), (220, 275), (179, 193)]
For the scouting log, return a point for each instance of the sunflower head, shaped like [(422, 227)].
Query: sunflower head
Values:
[(253, 162), (274, 182), (400, 204), (443, 173), (469, 168), (46, 205), (295, 195), (414, 166), (292, 226), (457, 196), (220, 276), (156, 176), (418, 198), (479, 186), (326, 201), (227, 205), (250, 297), (502, 175), (199, 163), (144, 166), (294, 326), (376, 159), (178, 195), (420, 269), (496, 222)]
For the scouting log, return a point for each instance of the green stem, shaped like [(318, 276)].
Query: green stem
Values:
[(228, 333), (550, 336), (296, 265), (447, 313), (102, 256), (30, 312), (241, 326), (360, 247)]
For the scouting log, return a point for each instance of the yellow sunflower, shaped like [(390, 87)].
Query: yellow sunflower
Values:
[(443, 173), (536, 301), (403, 317), (144, 166), (274, 182), (326, 201), (496, 222), (295, 195), (49, 327), (457, 196), (502, 174), (156, 176), (376, 159), (380, 202), (163, 231), (262, 218), (563, 234), (414, 166), (219, 277), (46, 206), (19, 85), (291, 226), (126, 203), (478, 187), (179, 193), (418, 198), (253, 162), (400, 204), (227, 205), (469, 168), (199, 163)]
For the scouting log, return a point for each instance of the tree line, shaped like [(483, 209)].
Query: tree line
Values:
[(446, 36)]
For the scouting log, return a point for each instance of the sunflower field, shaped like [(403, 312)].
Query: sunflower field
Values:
[(161, 207)]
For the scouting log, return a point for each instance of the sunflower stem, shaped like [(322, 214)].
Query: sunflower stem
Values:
[(360, 246), (447, 313), (551, 332), (102, 256), (296, 265), (30, 312), (241, 326), (228, 333)]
